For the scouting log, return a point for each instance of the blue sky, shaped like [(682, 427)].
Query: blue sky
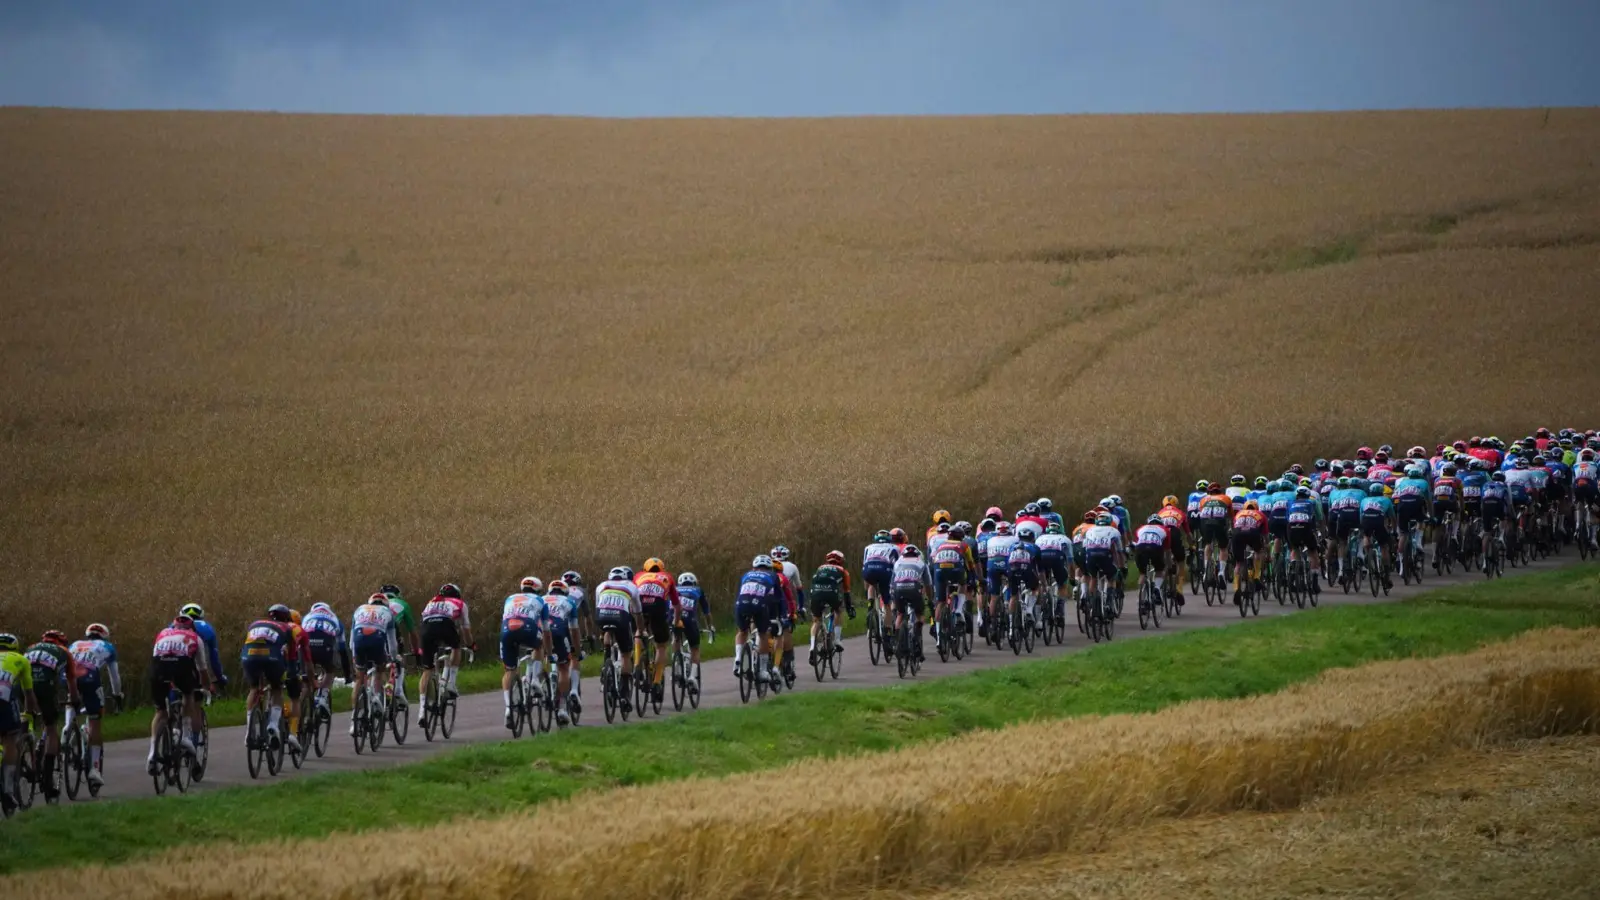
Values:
[(798, 57)]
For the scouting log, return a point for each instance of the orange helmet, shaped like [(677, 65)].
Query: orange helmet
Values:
[(294, 616), (1169, 500), (654, 565), (941, 517)]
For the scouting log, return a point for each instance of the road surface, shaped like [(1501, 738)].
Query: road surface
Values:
[(480, 717)]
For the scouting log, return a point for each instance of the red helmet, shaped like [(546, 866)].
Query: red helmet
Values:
[(897, 535), (1475, 441), (1461, 446), (1438, 448), (1089, 517), (1213, 488), (995, 513), (1364, 454), (1543, 433)]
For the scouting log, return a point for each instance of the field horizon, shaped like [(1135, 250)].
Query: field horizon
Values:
[(259, 357)]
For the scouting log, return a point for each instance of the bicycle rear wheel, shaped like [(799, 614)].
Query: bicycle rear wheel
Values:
[(73, 761), (179, 767), (399, 717), (27, 772), (358, 721), (517, 712), (321, 729), (163, 754), (255, 743), (447, 716)]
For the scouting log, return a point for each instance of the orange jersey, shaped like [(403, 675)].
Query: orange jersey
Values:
[(1250, 521), (1174, 518), (656, 587)]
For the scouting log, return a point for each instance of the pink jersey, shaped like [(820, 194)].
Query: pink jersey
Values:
[(177, 643)]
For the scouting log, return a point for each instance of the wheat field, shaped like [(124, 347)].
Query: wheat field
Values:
[(903, 819), (250, 358)]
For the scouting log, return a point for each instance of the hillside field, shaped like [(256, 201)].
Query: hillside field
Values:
[(249, 358)]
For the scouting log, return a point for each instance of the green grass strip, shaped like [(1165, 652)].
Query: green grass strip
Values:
[(1250, 658)]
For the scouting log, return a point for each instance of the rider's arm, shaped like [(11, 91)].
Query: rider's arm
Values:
[(116, 678)]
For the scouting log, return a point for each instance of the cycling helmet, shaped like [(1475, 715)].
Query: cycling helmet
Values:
[(558, 587), (1565, 442), (1302, 492), (1362, 471), (1019, 514), (1260, 483), (627, 572), (1251, 504), (1213, 488), (1055, 528), (761, 562), (1031, 509), (1116, 500), (995, 513), (54, 637), (1156, 520), (1479, 465), (1201, 485), (1305, 482), (1376, 489), (98, 632), (1498, 476), (1002, 528), (1321, 465), (277, 612), (779, 553), (573, 579), (183, 622), (1474, 441), (1543, 433), (1521, 463), (452, 590), (620, 574), (294, 616), (986, 525), (1103, 519), (958, 533), (1382, 456), (1043, 504), (1363, 454), (965, 526), (1106, 504), (1169, 500), (531, 585), (391, 589), (1343, 482), (1386, 448), (1237, 481), (687, 579), (911, 552), (1090, 516), (942, 515), (1448, 470), (881, 537), (8, 641), (1459, 446), (1586, 455), (1416, 472), (942, 528), (897, 535), (193, 611), (316, 608), (655, 565), (1297, 469), (835, 556)]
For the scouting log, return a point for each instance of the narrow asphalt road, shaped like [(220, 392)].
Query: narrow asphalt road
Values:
[(481, 716)]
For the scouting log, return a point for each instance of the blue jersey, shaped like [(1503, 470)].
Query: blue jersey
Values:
[(1277, 505), (1346, 502), (980, 550), (1412, 490), (689, 599), (1560, 474), (1519, 485), (1194, 501), (1472, 486), (759, 586), (560, 611), (1023, 556), (1382, 506), (1120, 513), (1496, 492), (208, 637), (1304, 512), (1260, 497)]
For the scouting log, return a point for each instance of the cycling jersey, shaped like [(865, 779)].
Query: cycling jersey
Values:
[(1174, 518), (16, 676), (1472, 486), (1236, 497), (522, 610), (1304, 513), (208, 637), (830, 582), (561, 610), (52, 665), (321, 623), (179, 643), (1250, 521), (267, 639), (92, 654), (1214, 508), (446, 609), (883, 554), (1054, 546), (1411, 490), (1585, 474), (1120, 513), (910, 573), (1000, 547), (620, 597), (404, 622), (1496, 492), (952, 557), (1379, 506), (1446, 490), (1193, 507), (660, 587), (1106, 538), (1024, 556), (1277, 505), (1151, 536)]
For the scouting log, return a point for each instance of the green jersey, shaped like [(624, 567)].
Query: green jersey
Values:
[(403, 620), (829, 582), (52, 665)]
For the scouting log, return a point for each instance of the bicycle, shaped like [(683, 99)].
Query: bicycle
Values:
[(30, 766), (612, 688), (76, 760), (877, 648), (552, 694), (1445, 545), (1096, 611), (368, 717), (439, 706), (1150, 600), (825, 660), (908, 643), (644, 676), (752, 668), (1249, 602), (173, 763), (527, 706), (1412, 559), (1380, 570), (1583, 531), (1494, 557), (320, 729), (399, 706)]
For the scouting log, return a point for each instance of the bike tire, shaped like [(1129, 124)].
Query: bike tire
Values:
[(399, 717), (692, 689), (375, 728), (680, 685), (322, 731), (182, 770), (761, 683), (73, 761), (274, 756), (874, 640), (447, 717), (27, 774), (518, 707), (163, 752), (608, 692)]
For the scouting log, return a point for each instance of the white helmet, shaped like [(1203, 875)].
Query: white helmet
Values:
[(532, 585), (761, 562), (687, 579), (618, 574)]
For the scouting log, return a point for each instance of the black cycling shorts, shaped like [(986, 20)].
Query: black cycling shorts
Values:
[(438, 634), (182, 674), (658, 621), (821, 602), (620, 624)]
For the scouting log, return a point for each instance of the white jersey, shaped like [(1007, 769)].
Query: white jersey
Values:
[(1054, 543), (1000, 546), (910, 571), (792, 572), (522, 606), (884, 554), (1029, 528), (1102, 537), (576, 595), (373, 618), (616, 596)]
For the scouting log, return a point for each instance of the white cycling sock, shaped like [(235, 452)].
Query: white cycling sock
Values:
[(94, 756), (1158, 580), (738, 652), (576, 675), (838, 634), (274, 717), (187, 727), (507, 696)]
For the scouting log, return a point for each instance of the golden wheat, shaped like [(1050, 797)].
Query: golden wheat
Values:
[(921, 816), (252, 358)]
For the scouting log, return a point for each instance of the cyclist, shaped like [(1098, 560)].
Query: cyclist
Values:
[(1558, 493), (1446, 504), (1152, 545), (55, 678), (374, 644), (759, 594), (524, 618), (1177, 524), (1000, 547), (1378, 524), (1055, 552), (559, 615), (446, 625), (1472, 482), (1030, 521), (1258, 491), (297, 676), (582, 624), (208, 636), (1022, 576), (178, 662), (953, 564), (16, 699), (1124, 523), (1195, 496), (1410, 498), (1048, 512), (934, 535), (94, 654), (877, 565), (1215, 510), (1102, 547), (692, 607), (794, 597), (658, 608), (1248, 535), (830, 588), (909, 584), (325, 635), (1586, 486), (1494, 508), (268, 645), (405, 625), (1279, 497), (1305, 526), (1237, 492)]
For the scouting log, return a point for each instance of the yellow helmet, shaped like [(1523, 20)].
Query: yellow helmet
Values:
[(1388, 491), (654, 565), (1169, 500), (294, 616), (941, 517), (1251, 505)]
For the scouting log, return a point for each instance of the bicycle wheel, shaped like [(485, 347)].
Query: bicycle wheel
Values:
[(73, 763), (376, 723), (274, 755), (1156, 606), (902, 650), (874, 639), (693, 688), (359, 720), (761, 684), (255, 743), (399, 717), (447, 716), (27, 772), (163, 754), (180, 769), (608, 691), (1146, 603), (1029, 630), (680, 681), (322, 730), (517, 711), (202, 750)]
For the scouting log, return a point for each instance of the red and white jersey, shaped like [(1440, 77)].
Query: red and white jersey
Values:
[(177, 643), (441, 608)]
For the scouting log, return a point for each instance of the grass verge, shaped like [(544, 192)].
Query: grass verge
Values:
[(1138, 676)]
